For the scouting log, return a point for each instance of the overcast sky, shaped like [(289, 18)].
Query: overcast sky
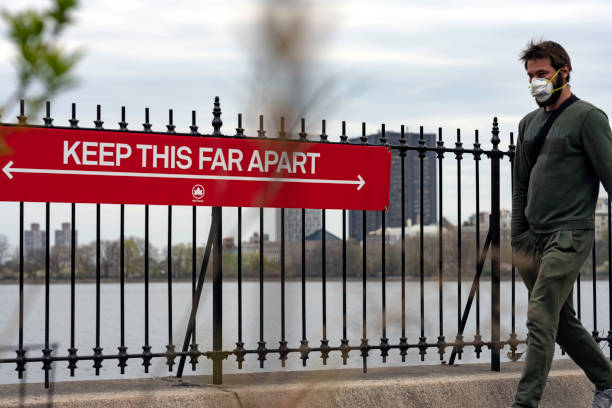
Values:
[(434, 63)]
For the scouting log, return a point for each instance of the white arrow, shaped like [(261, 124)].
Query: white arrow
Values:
[(8, 170)]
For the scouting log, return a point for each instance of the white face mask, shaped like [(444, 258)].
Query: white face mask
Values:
[(542, 88)]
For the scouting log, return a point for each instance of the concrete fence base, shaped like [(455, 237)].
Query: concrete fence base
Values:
[(460, 386)]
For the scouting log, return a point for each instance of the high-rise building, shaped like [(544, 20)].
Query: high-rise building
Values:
[(293, 223), (411, 184), (64, 236), (35, 241), (601, 218)]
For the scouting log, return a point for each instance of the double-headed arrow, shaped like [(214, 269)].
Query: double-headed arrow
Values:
[(8, 170)]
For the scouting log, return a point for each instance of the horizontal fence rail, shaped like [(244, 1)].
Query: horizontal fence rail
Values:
[(424, 157)]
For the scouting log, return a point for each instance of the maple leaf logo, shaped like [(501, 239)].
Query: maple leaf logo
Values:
[(197, 191)]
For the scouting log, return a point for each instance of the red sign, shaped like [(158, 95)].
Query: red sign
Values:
[(91, 166)]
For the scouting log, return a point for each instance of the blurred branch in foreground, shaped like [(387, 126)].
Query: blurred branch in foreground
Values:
[(287, 82), (43, 67)]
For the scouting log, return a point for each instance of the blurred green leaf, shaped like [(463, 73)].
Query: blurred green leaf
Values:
[(41, 62)]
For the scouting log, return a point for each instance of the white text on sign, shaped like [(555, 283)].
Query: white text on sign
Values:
[(83, 153)]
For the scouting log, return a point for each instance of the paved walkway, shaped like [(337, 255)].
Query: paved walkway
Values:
[(470, 385)]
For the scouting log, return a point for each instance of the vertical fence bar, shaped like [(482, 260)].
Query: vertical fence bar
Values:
[(384, 341), (261, 345), (477, 337), (72, 357), (304, 342), (20, 351), (217, 298), (440, 157), (240, 343), (146, 356), (610, 275), (122, 348), (170, 353), (422, 338), (47, 352), (364, 339), (459, 157), (595, 332), (324, 340), (218, 355), (169, 347), (495, 254), (304, 350), (403, 340), (193, 347), (578, 294), (98, 350), (261, 349), (283, 349), (344, 343), (513, 337)]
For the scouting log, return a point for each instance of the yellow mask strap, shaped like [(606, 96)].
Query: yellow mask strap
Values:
[(561, 87), (553, 77)]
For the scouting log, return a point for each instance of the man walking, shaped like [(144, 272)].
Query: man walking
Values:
[(564, 150)]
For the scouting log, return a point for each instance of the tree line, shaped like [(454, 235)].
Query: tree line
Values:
[(181, 255)]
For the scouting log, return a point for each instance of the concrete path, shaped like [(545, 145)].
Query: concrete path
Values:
[(470, 385)]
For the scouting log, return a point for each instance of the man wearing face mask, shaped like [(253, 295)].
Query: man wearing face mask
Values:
[(564, 150)]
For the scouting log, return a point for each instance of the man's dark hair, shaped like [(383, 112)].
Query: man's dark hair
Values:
[(547, 49)]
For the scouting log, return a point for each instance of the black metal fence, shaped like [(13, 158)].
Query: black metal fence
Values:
[(305, 349)]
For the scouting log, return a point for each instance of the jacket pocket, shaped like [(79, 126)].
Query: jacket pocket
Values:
[(565, 241)]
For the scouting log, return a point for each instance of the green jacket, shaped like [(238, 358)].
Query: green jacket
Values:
[(560, 191)]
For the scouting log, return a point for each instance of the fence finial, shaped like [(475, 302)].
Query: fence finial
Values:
[(123, 124), (261, 133), (495, 133), (193, 127), (383, 135), (147, 125), (22, 118), (282, 134), (303, 135), (98, 122), (74, 123), (323, 135), (170, 126), (343, 137), (240, 129), (48, 119), (217, 122), (364, 138)]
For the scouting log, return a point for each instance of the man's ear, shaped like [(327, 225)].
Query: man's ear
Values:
[(564, 72)]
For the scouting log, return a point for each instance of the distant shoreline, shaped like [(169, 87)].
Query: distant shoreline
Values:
[(377, 279)]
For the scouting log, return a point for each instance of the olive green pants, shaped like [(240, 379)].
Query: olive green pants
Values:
[(549, 265)]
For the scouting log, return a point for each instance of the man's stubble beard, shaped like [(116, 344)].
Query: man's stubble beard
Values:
[(554, 97)]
